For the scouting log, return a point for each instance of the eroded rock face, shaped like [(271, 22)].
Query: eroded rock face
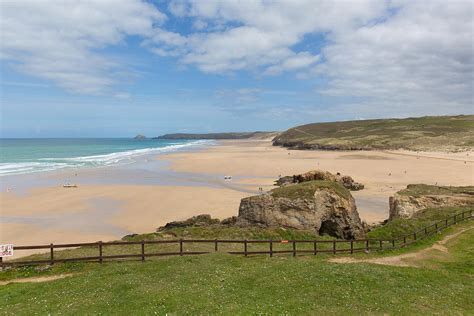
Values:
[(327, 213), (405, 206)]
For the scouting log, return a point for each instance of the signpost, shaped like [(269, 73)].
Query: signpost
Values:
[(6, 250)]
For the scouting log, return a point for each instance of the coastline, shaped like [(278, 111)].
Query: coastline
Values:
[(114, 201)]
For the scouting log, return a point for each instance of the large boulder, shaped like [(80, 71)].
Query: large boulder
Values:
[(323, 206), (416, 197), (345, 181)]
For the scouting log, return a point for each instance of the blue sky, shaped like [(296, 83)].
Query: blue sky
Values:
[(110, 69)]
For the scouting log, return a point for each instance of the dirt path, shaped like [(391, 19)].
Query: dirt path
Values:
[(36, 279), (399, 260)]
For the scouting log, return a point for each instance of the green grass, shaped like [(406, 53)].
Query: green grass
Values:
[(450, 133), (426, 189), (224, 284), (219, 283), (306, 190), (399, 227)]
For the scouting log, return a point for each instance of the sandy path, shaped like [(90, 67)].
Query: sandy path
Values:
[(401, 260), (36, 279)]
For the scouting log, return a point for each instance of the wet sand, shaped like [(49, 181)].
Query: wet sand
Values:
[(112, 202)]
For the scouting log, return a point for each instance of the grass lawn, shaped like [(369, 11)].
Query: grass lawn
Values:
[(225, 284)]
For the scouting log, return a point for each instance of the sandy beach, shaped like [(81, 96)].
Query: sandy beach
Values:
[(192, 183)]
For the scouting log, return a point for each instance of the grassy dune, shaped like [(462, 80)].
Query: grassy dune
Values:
[(448, 133), (224, 284)]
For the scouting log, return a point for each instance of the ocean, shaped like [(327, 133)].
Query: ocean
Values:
[(20, 156)]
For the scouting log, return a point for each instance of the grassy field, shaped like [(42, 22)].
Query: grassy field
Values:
[(449, 133), (225, 284)]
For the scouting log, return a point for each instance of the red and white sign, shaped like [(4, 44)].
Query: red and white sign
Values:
[(6, 250)]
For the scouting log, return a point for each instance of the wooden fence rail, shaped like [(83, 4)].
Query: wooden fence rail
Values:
[(332, 246)]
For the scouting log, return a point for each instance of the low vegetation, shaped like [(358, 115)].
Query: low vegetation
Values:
[(449, 133), (425, 189)]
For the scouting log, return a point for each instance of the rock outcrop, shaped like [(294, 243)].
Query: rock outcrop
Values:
[(139, 136), (196, 221), (407, 202), (315, 205), (345, 181)]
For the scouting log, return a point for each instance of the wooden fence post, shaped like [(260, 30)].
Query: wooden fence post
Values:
[(180, 247), (446, 222), (143, 250), (1, 263), (315, 248), (100, 252), (333, 247), (215, 245), (245, 247), (404, 240), (294, 248), (352, 246), (436, 227), (271, 248), (51, 248), (367, 245), (380, 241), (454, 218), (414, 236), (393, 243)]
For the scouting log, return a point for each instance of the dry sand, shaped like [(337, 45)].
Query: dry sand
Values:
[(106, 211)]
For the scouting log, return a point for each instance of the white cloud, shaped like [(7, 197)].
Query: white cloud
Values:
[(421, 54), (398, 53), (376, 53), (60, 40)]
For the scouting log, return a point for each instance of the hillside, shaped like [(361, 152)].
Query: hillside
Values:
[(446, 133), (242, 135)]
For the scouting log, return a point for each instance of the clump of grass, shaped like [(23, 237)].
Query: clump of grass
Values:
[(306, 190), (426, 189)]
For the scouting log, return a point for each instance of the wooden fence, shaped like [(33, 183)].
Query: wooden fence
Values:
[(316, 246)]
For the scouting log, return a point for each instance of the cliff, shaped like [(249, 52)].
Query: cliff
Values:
[(416, 197)]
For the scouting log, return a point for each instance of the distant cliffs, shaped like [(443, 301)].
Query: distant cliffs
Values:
[(140, 136), (242, 135)]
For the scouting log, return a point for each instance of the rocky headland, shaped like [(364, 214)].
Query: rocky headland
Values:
[(323, 206), (416, 197)]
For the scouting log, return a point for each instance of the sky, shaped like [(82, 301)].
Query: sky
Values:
[(105, 68)]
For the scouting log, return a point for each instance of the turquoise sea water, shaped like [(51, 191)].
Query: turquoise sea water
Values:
[(19, 156)]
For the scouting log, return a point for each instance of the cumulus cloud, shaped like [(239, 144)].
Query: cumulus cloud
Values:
[(259, 34), (423, 52), (61, 40), (377, 53)]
